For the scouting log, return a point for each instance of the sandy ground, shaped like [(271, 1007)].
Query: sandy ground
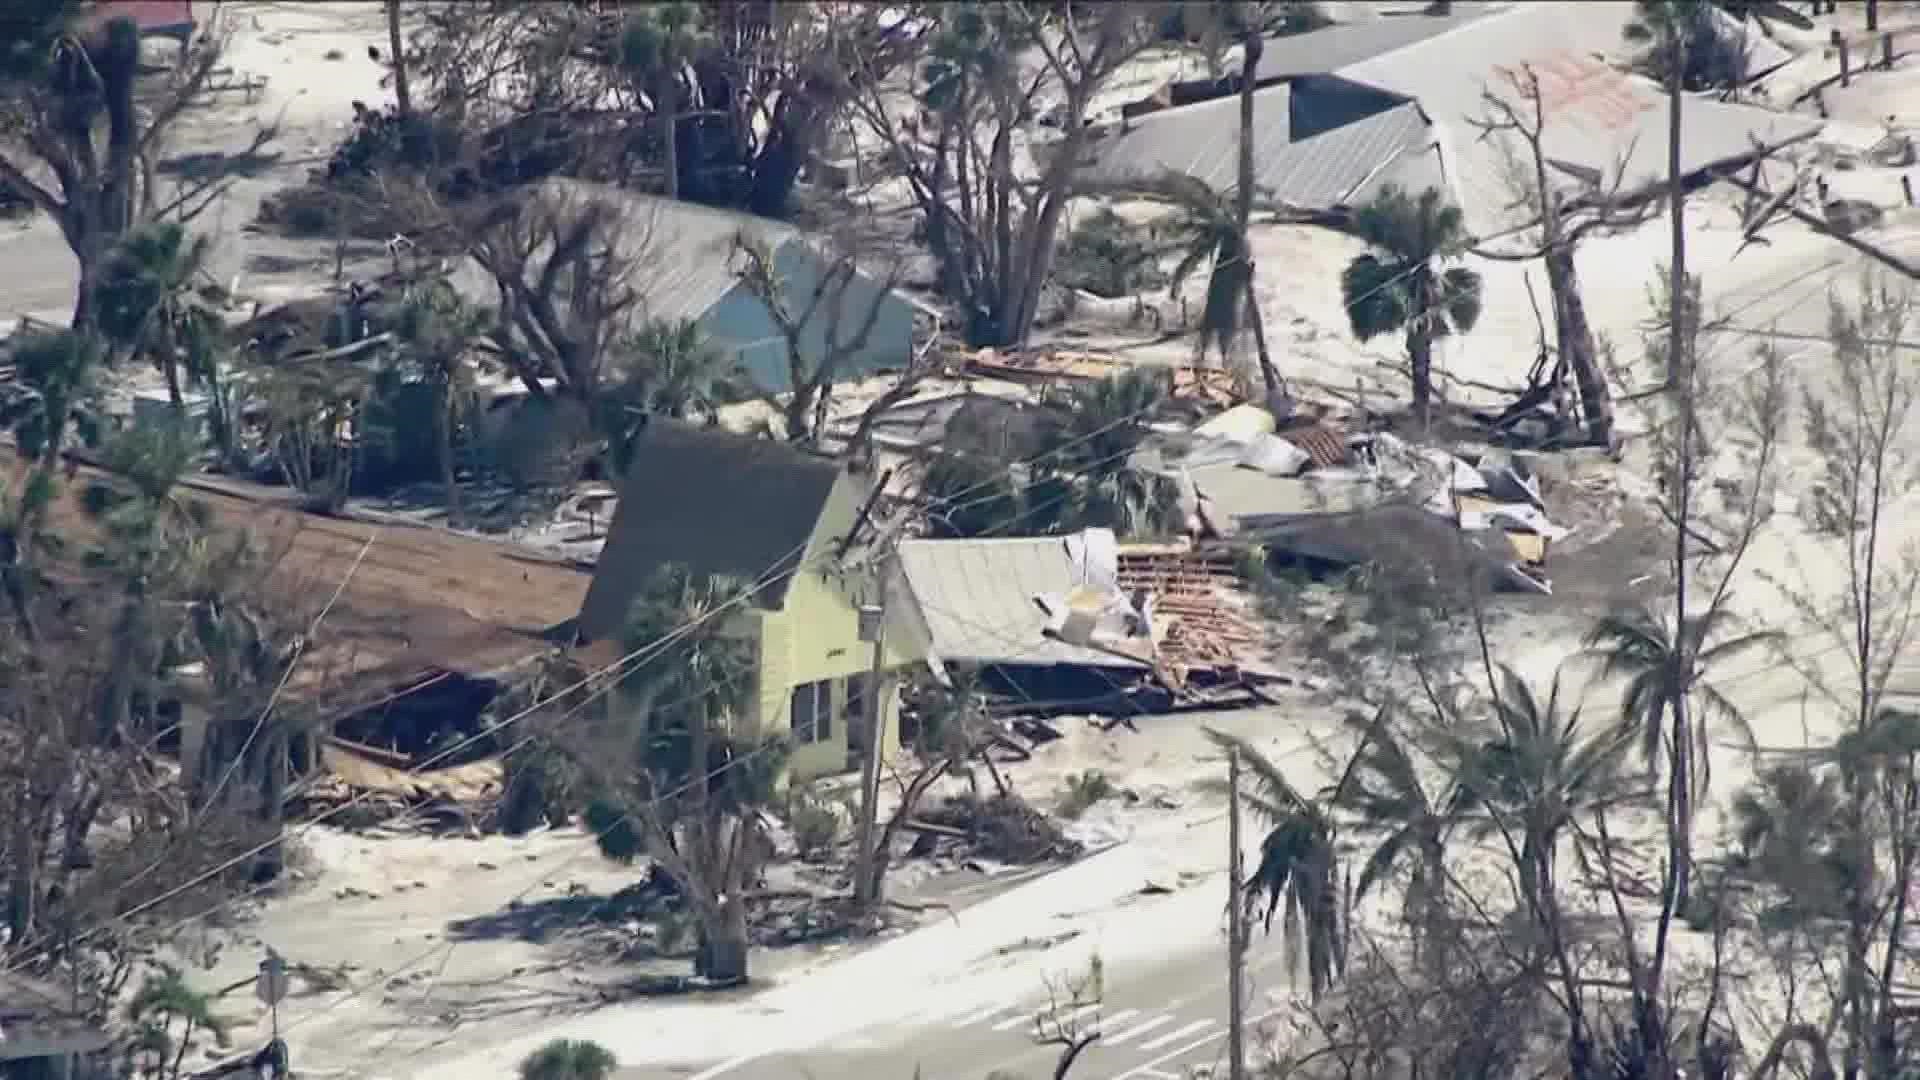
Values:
[(416, 931)]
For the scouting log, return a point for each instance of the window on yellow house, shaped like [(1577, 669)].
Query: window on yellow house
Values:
[(811, 712)]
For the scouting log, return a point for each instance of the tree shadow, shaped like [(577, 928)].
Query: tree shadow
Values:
[(217, 165), (542, 921)]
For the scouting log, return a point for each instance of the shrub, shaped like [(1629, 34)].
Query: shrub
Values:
[(815, 823), (1083, 791), (1109, 256), (569, 1059)]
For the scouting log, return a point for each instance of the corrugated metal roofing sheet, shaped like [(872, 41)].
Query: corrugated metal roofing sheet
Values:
[(1600, 121), (1329, 170), (976, 599), (1332, 48)]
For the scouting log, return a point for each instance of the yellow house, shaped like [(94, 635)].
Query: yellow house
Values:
[(763, 511)]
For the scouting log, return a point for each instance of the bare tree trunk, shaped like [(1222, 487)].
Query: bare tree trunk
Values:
[(1575, 339), (1680, 363), (1252, 46), (444, 425), (1420, 352), (666, 106), (402, 93)]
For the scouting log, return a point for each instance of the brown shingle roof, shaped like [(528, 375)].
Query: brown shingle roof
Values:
[(713, 501), (419, 600)]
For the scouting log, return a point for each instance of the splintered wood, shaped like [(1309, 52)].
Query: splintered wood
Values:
[(1196, 600)]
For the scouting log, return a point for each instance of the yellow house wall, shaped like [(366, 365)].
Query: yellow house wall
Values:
[(815, 636)]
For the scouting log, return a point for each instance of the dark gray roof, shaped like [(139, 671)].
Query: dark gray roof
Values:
[(1331, 48), (1341, 167), (712, 501), (34, 1022)]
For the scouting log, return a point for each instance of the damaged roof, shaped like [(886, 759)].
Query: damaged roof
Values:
[(1604, 126), (714, 502), (415, 600), (34, 1022), (975, 598)]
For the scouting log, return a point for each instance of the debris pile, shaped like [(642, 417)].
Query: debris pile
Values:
[(1005, 828), (1315, 490)]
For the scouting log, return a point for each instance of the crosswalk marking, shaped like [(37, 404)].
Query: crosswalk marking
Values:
[(1018, 1020), (1177, 1034), (1136, 1031), (1109, 1020), (975, 1017)]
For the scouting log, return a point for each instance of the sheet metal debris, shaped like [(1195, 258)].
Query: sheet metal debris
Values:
[(1358, 497)]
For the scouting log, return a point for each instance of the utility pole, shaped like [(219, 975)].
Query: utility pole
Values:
[(873, 620), (1236, 931)]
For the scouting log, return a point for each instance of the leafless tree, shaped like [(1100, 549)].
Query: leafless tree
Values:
[(81, 131), (824, 324), (991, 222)]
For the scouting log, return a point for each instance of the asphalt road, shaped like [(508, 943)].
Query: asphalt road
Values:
[(1158, 1024)]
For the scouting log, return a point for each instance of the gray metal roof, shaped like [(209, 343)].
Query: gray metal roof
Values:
[(680, 250), (1606, 124), (1331, 48), (1337, 168), (976, 599)]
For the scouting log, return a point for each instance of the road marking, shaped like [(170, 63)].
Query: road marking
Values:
[(724, 1067), (1140, 1029), (1177, 1034), (976, 1017), (1009, 1025), (1150, 1070), (1113, 1018)]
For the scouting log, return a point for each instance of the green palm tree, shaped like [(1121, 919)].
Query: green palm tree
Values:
[(438, 329), (1787, 826), (569, 1059), (695, 799), (1206, 230), (1663, 671), (1298, 876), (1387, 797), (1084, 478), (657, 41), (154, 300), (58, 374), (1538, 774), (1408, 281), (665, 368)]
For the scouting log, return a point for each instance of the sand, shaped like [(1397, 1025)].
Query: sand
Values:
[(382, 909)]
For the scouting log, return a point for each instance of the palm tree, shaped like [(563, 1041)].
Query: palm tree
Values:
[(1298, 876), (657, 42), (437, 329), (694, 801), (1208, 229), (1538, 774), (1252, 45), (1406, 281), (1387, 796), (665, 368), (569, 1059), (152, 301), (1663, 671), (59, 374), (1788, 827), (163, 1000), (1085, 478)]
